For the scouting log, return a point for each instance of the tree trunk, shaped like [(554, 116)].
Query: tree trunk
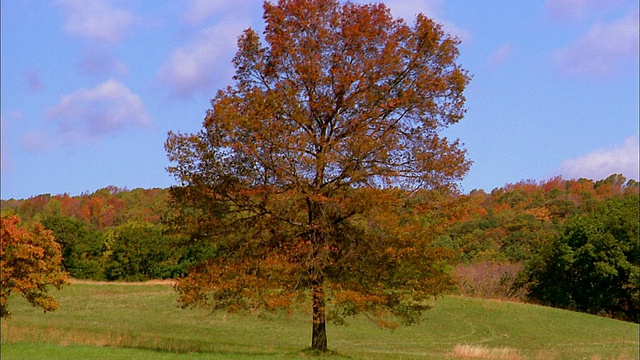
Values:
[(319, 334)]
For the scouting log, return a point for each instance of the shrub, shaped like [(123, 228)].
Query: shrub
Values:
[(490, 280)]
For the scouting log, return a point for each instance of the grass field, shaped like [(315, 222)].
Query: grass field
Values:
[(124, 321)]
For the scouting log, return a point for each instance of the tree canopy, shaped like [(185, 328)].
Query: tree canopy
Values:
[(307, 171)]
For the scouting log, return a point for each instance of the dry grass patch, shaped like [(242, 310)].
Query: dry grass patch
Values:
[(66, 337), (620, 357), (132, 283), (481, 352)]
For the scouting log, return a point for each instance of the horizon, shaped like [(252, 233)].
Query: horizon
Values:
[(119, 189)]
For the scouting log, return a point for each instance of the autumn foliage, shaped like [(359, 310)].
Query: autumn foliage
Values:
[(305, 172), (30, 261)]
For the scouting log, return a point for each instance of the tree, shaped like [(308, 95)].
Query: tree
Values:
[(140, 251), (81, 246), (304, 171), (593, 266), (30, 261)]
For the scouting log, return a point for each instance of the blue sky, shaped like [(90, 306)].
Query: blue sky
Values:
[(91, 88)]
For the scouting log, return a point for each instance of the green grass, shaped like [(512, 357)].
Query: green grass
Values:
[(119, 321)]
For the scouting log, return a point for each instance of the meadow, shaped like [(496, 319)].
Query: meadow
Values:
[(143, 321)]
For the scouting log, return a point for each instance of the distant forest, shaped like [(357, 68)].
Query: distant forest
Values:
[(565, 243)]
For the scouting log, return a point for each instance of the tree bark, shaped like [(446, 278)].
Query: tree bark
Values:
[(319, 334), (319, 331)]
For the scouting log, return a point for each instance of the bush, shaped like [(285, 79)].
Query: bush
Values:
[(489, 280)]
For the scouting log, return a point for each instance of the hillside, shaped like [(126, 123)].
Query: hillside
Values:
[(142, 321)]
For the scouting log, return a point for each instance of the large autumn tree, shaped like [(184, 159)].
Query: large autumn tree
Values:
[(307, 171)]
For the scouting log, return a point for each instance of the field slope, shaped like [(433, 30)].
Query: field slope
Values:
[(124, 321)]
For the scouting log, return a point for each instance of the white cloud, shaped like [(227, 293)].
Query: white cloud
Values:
[(90, 114), (204, 63), (96, 19), (409, 9), (34, 81), (601, 163), (602, 50), (37, 141), (101, 62), (578, 9), (197, 66), (201, 10), (501, 55)]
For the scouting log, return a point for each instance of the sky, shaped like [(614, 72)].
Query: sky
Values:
[(89, 89)]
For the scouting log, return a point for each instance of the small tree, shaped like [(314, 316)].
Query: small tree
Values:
[(303, 171), (30, 261)]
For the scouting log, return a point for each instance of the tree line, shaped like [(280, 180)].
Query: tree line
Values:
[(111, 234), (564, 243)]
